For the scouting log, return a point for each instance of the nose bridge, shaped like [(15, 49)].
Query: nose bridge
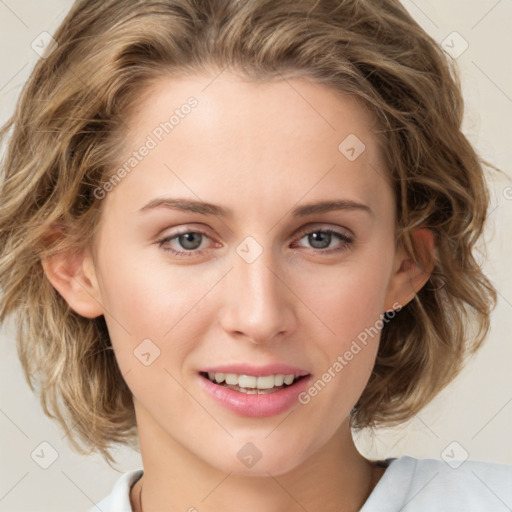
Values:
[(258, 304)]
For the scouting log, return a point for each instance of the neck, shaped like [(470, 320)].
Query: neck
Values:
[(334, 478)]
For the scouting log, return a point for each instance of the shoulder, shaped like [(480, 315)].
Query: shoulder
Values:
[(418, 485), (119, 498)]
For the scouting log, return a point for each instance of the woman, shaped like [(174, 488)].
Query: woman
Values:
[(234, 231)]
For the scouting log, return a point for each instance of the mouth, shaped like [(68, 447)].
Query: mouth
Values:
[(254, 391), (251, 384)]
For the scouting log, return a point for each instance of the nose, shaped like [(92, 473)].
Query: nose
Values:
[(259, 304)]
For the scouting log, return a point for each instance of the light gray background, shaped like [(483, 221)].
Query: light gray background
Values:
[(473, 417)]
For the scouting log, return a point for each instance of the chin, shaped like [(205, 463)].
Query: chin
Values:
[(251, 462)]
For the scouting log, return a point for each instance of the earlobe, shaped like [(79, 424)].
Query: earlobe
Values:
[(72, 275), (408, 276)]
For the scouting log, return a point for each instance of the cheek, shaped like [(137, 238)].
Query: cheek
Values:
[(147, 315), (350, 304), (167, 305), (147, 299), (348, 353), (347, 300)]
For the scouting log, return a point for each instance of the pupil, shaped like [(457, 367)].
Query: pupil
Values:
[(317, 236), (187, 240)]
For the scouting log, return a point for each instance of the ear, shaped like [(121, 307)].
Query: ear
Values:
[(73, 275), (408, 276)]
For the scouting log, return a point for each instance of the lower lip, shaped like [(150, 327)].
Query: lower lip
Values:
[(256, 405)]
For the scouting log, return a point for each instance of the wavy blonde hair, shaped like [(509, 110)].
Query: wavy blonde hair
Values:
[(70, 121)]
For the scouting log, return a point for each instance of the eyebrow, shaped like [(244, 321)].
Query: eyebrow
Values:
[(205, 208)]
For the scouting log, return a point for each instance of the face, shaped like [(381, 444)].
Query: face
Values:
[(257, 285)]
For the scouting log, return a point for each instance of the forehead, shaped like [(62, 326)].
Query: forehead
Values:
[(245, 141), (275, 107)]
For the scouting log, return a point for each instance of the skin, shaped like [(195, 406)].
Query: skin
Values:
[(260, 150)]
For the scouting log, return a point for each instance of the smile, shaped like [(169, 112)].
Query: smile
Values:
[(251, 384), (254, 395)]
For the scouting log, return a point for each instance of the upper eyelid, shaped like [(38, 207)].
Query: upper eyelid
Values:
[(323, 227), (301, 232), (318, 226)]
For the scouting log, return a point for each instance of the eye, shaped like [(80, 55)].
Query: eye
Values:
[(320, 239), (191, 241), (187, 239)]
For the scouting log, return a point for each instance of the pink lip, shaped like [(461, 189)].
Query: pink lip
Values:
[(256, 405), (257, 371)]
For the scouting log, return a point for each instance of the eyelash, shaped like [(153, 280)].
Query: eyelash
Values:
[(343, 237)]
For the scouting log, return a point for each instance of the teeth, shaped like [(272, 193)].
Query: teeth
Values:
[(267, 382), (244, 381), (231, 379), (250, 381), (288, 379)]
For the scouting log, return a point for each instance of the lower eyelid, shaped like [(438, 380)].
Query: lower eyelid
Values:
[(345, 239), (342, 238), (175, 236)]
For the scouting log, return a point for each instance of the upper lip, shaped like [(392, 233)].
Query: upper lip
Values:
[(257, 371)]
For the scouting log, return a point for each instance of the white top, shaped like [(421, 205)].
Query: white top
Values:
[(407, 485)]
